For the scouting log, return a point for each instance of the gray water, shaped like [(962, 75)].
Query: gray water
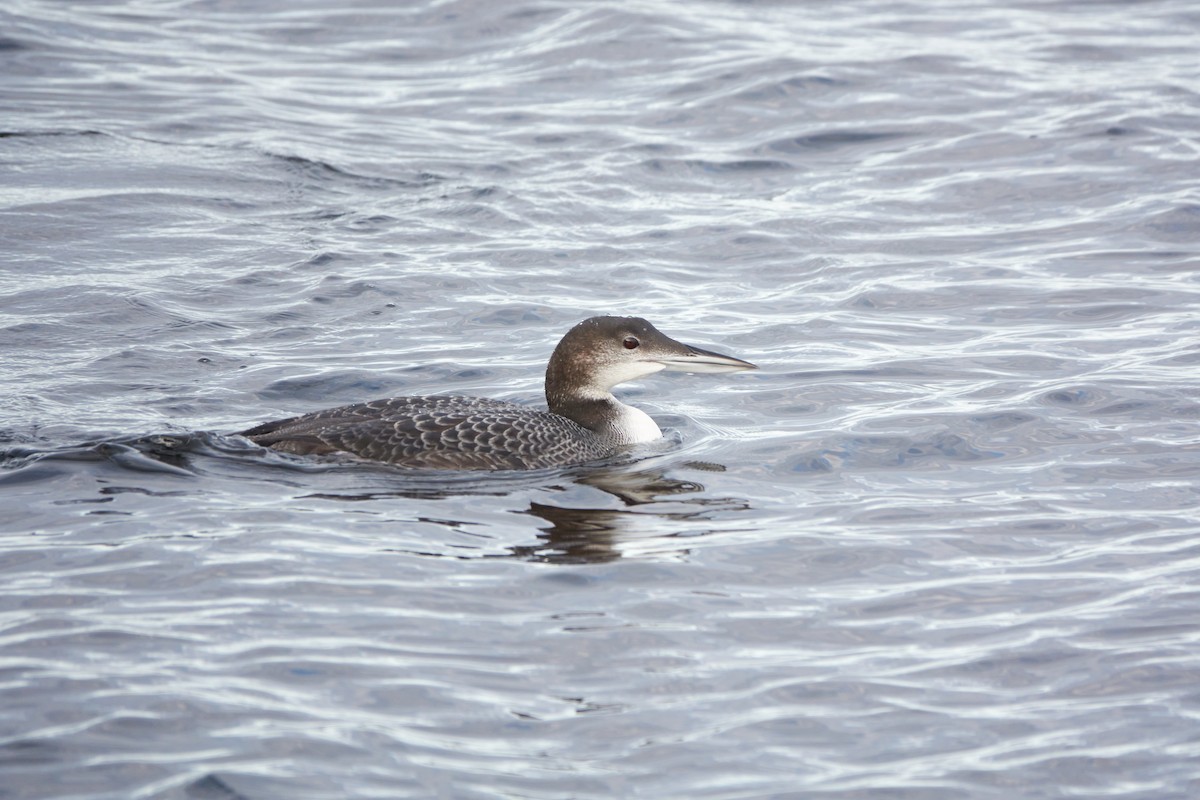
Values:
[(944, 544)]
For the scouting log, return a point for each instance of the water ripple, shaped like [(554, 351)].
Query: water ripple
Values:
[(942, 544)]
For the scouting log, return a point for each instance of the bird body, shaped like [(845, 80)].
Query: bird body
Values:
[(584, 423)]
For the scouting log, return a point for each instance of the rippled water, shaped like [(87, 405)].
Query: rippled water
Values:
[(944, 544)]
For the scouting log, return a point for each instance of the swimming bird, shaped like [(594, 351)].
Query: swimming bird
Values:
[(585, 422)]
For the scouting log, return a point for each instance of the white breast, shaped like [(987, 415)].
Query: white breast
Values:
[(634, 426)]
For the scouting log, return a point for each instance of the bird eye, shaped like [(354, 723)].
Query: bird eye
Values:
[(631, 343)]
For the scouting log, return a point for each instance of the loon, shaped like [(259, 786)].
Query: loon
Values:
[(584, 423)]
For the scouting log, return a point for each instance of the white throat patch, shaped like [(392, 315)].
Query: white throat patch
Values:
[(610, 375)]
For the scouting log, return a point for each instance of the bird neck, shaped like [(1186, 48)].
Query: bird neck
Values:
[(607, 417), (572, 392)]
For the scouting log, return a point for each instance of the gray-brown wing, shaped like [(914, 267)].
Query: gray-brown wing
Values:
[(385, 408), (440, 435)]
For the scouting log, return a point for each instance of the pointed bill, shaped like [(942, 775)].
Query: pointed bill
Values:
[(698, 360)]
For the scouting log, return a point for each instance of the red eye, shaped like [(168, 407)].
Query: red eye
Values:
[(631, 343)]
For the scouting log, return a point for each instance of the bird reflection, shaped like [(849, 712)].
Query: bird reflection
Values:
[(575, 535), (594, 535)]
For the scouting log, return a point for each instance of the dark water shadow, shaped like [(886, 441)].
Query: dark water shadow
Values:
[(211, 787)]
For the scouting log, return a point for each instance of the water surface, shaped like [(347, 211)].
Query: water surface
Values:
[(944, 544)]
